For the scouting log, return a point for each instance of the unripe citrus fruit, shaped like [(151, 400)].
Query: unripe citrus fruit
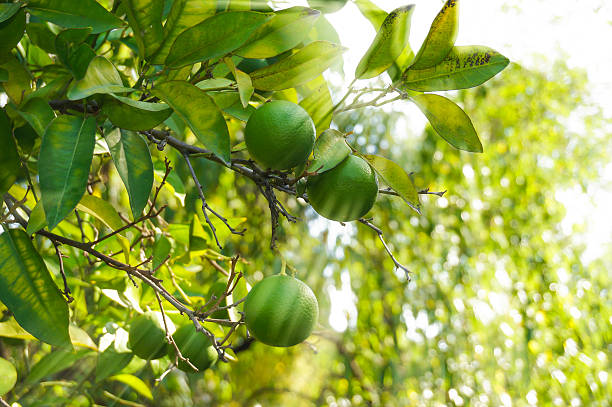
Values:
[(281, 311), (147, 336), (344, 193), (280, 135), (194, 346)]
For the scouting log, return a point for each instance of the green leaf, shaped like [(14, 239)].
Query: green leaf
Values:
[(11, 329), (395, 177), (11, 31), (81, 338), (318, 103), (65, 156), (55, 362), (161, 250), (135, 115), (145, 18), (214, 37), (245, 85), (27, 289), (200, 113), (101, 77), (38, 113), (322, 30), (286, 29), (464, 67), (183, 15), (391, 39), (299, 68), (135, 383), (105, 213), (18, 84), (449, 121), (70, 50), (10, 164), (8, 373), (372, 12), (41, 35), (110, 362), (330, 149), (102, 210), (441, 37), (75, 14), (132, 159), (4, 76), (37, 219), (8, 10)]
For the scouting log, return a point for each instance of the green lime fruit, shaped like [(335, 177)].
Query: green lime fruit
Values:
[(281, 311), (249, 65), (280, 135), (327, 6), (346, 192), (147, 336), (195, 346)]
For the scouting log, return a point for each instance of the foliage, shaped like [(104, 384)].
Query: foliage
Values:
[(125, 180)]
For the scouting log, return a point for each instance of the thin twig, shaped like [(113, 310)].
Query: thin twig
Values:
[(379, 232), (60, 258), (426, 191)]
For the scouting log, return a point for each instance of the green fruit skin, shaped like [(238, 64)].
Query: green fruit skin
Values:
[(281, 311), (346, 192), (194, 346), (147, 336), (270, 135)]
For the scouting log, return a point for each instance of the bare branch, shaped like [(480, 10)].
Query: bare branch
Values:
[(379, 232), (60, 258)]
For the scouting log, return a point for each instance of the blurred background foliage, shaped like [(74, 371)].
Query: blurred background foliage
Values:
[(502, 309)]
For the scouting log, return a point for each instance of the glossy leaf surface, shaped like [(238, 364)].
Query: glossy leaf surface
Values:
[(130, 114), (395, 177), (75, 14)]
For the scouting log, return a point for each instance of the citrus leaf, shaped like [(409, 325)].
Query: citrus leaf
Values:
[(395, 177), (161, 250), (9, 157), (55, 362), (135, 115), (243, 80), (214, 37), (391, 39), (135, 383), (27, 289), (4, 76), (37, 219), (75, 14), (107, 214), (65, 156), (318, 103), (79, 60), (11, 31), (101, 77), (330, 149), (110, 362), (372, 12), (8, 10), (67, 39), (11, 329), (286, 29), (132, 159), (18, 84), (449, 121), (183, 15), (200, 113), (81, 338), (41, 35), (299, 68), (38, 113), (441, 37), (145, 18), (9, 376), (464, 67)]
